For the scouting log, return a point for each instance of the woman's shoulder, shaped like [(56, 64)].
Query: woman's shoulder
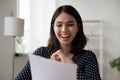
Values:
[(85, 54), (42, 51), (89, 52)]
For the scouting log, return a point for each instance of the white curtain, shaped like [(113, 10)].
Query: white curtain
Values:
[(37, 15)]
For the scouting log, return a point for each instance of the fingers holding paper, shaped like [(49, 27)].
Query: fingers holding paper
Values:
[(60, 56), (55, 57)]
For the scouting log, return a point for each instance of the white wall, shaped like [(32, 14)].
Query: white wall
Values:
[(7, 8), (109, 11), (40, 16)]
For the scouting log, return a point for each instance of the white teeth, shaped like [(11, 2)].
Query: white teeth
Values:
[(65, 35)]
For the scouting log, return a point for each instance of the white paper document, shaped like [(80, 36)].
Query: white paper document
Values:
[(46, 69)]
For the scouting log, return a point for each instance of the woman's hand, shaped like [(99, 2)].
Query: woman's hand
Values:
[(60, 56)]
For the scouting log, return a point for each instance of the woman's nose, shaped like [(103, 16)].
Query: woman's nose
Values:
[(64, 28)]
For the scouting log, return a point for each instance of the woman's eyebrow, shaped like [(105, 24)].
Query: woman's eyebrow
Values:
[(58, 21), (71, 21)]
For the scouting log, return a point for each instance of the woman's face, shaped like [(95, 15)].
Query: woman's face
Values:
[(65, 28)]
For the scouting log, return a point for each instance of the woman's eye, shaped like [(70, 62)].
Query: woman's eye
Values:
[(70, 24), (58, 25)]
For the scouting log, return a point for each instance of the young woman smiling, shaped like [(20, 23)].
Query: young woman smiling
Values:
[(66, 44)]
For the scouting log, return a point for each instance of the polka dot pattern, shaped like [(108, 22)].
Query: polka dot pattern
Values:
[(86, 62)]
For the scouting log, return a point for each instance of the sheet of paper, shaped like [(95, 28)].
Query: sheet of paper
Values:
[(46, 69)]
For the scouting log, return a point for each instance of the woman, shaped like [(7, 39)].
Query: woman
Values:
[(66, 44)]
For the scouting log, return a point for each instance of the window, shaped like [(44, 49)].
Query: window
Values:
[(37, 18)]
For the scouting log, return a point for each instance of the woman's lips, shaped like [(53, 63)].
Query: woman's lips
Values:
[(65, 36)]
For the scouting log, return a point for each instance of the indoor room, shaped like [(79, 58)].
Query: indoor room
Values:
[(100, 24)]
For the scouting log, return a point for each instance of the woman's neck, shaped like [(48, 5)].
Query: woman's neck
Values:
[(66, 49)]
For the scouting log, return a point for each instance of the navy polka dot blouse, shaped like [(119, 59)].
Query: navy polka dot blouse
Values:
[(86, 61)]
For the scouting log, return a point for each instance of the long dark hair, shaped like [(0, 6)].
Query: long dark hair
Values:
[(80, 39)]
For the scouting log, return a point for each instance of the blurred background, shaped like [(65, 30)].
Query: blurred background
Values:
[(101, 19)]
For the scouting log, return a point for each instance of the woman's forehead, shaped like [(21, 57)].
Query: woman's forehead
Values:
[(65, 17)]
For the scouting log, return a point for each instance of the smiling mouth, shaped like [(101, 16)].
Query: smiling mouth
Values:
[(64, 36)]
